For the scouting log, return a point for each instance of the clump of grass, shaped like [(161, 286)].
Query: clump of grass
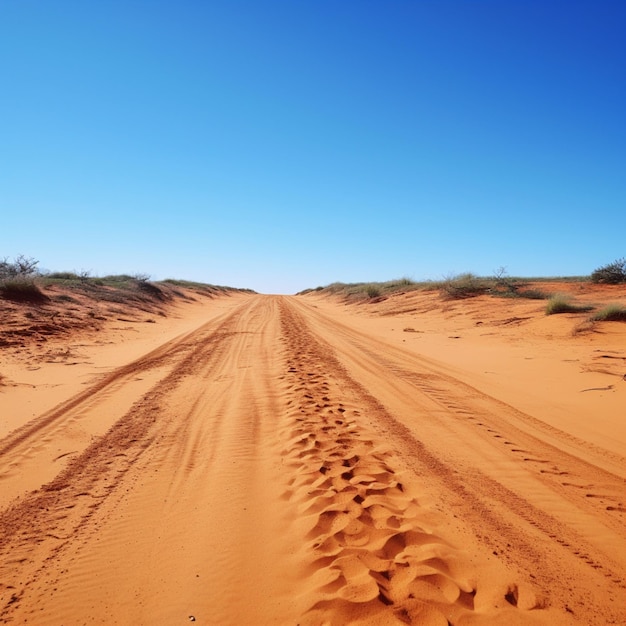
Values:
[(533, 294), (190, 284), (562, 304), (22, 289), (116, 280), (530, 294), (465, 286), (610, 313), (151, 289)]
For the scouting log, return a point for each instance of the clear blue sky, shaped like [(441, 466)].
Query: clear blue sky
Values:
[(280, 145)]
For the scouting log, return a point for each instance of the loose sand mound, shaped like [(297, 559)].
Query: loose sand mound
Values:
[(271, 460)]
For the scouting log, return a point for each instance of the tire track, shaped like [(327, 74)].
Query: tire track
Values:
[(35, 531), (562, 557), (378, 557), (163, 356), (260, 481)]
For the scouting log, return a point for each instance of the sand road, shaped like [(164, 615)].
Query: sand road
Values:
[(278, 466)]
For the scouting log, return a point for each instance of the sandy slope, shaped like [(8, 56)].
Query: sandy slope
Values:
[(275, 460)]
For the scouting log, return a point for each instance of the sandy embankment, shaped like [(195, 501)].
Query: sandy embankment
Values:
[(268, 460)]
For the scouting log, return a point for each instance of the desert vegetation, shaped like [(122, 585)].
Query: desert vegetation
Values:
[(295, 407), (21, 281), (470, 285), (559, 292), (41, 304), (17, 280), (457, 287), (563, 304), (610, 313), (611, 274)]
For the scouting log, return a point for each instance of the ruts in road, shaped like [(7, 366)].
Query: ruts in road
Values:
[(276, 466)]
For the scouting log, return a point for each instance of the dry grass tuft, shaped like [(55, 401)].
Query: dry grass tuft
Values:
[(562, 304), (610, 313)]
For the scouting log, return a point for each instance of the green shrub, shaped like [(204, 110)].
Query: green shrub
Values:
[(562, 304), (372, 291), (610, 313), (611, 274)]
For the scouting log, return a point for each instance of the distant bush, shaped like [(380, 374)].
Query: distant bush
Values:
[(372, 291), (113, 279), (63, 276), (465, 286), (399, 283), (611, 274), (17, 280), (562, 304), (534, 294), (529, 294), (20, 267), (151, 289), (610, 313)]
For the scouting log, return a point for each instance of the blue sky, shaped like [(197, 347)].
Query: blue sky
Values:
[(280, 145)]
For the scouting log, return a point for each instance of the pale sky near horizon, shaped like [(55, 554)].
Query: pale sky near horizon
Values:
[(280, 145)]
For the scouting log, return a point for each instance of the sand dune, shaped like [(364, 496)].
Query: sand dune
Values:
[(294, 460)]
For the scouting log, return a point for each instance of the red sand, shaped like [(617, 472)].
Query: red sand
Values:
[(296, 460)]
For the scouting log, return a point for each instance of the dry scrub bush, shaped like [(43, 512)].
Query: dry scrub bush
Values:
[(610, 274), (17, 282), (464, 286)]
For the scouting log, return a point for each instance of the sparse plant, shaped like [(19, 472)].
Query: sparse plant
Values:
[(17, 280), (400, 282), (62, 276), (502, 278), (533, 294), (610, 313), (562, 304), (151, 289), (22, 289), (504, 285), (21, 266), (114, 279), (464, 286), (372, 291), (610, 274)]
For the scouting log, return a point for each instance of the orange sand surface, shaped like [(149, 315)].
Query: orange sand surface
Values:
[(253, 460)]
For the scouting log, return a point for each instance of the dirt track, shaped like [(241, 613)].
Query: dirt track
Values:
[(278, 466)]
